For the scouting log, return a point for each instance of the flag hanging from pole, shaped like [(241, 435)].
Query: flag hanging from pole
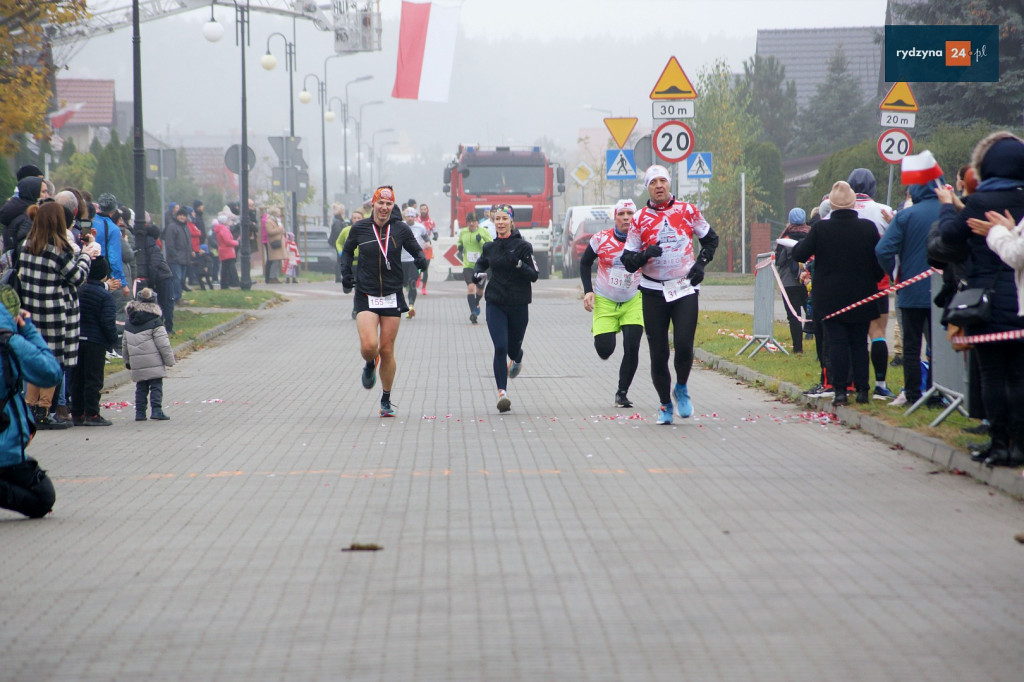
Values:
[(426, 51), (919, 169), (59, 118)]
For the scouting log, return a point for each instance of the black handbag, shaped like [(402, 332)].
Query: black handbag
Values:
[(275, 244), (969, 307)]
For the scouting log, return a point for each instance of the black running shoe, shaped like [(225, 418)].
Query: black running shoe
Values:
[(370, 374), (621, 400)]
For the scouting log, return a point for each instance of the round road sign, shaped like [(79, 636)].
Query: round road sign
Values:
[(894, 144), (673, 141)]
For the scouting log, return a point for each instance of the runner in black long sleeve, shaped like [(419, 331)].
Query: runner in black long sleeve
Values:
[(512, 271), (379, 302)]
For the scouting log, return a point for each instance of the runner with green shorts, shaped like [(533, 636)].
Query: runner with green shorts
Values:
[(614, 298), (470, 245)]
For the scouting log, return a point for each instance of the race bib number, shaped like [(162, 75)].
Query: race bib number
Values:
[(619, 278), (472, 256), (389, 301), (677, 288)]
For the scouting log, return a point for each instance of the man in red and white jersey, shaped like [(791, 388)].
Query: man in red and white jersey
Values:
[(660, 244), (614, 298)]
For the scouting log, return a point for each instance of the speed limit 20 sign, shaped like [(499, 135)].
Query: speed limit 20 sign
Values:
[(894, 144), (673, 141)]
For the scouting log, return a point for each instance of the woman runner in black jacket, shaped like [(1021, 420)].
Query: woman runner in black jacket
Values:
[(507, 263)]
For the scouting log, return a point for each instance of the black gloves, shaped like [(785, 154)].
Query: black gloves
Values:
[(479, 239), (479, 277), (512, 259), (652, 251), (696, 275), (460, 251), (348, 283), (435, 235)]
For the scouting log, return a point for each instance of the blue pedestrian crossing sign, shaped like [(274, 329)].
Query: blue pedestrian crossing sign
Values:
[(698, 166), (620, 164)]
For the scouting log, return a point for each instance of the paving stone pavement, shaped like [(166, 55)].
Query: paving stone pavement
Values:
[(565, 540)]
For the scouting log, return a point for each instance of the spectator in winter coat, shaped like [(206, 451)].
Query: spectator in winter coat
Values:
[(907, 239), (13, 215), (24, 487), (226, 244), (108, 236), (1007, 241), (789, 273), (156, 271), (845, 271), (50, 272), (147, 353), (998, 162), (97, 335), (275, 247), (178, 250)]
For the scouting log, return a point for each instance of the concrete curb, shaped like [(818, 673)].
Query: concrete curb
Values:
[(951, 459), (123, 377)]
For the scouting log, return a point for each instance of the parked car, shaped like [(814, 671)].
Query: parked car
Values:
[(314, 250), (580, 224)]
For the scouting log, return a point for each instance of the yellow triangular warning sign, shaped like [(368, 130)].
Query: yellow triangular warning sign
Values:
[(673, 83), (620, 128), (900, 98)]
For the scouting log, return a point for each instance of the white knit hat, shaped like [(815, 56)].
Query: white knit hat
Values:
[(624, 205), (656, 172)]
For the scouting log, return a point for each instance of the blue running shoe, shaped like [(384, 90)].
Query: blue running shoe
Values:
[(514, 368), (665, 414), (883, 393), (683, 404), (386, 410)]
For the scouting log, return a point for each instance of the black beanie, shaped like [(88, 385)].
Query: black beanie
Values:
[(99, 269), (28, 171)]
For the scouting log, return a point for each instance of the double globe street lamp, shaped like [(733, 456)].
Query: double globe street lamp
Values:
[(268, 61)]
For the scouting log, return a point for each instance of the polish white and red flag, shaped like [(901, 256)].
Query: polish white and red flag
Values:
[(59, 118), (426, 51), (919, 169)]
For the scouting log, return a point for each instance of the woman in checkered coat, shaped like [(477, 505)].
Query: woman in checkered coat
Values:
[(50, 272)]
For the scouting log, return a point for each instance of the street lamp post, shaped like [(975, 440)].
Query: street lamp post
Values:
[(139, 159), (345, 118), (213, 32), (268, 61), (359, 140), (373, 146), (305, 98)]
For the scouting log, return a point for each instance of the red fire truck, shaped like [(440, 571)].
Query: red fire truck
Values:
[(523, 177)]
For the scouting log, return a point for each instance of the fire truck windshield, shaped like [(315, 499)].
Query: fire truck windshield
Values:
[(504, 180)]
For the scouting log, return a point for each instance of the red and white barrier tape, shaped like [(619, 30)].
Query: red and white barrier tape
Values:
[(989, 338), (778, 280), (885, 292)]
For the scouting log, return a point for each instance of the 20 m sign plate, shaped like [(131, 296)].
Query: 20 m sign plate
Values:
[(673, 141)]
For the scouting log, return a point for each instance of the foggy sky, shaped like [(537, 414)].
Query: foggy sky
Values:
[(524, 70)]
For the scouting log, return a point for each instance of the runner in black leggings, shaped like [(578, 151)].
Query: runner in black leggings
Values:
[(660, 245), (509, 262)]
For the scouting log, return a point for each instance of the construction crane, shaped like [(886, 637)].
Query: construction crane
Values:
[(356, 24)]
